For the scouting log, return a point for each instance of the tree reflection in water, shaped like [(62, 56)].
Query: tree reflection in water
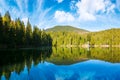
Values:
[(86, 70), (15, 60), (34, 64)]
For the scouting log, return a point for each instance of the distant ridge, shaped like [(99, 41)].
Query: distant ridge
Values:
[(65, 29)]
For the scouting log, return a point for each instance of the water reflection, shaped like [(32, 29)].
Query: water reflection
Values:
[(72, 55), (87, 70), (11, 60), (40, 64)]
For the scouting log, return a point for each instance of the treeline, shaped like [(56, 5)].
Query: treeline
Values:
[(68, 38), (14, 34), (107, 37)]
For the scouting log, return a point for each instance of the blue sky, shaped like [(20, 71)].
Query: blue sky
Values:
[(93, 15)]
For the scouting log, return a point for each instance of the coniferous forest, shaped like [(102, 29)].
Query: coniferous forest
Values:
[(104, 38), (14, 34)]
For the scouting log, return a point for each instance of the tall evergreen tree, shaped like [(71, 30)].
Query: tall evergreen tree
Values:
[(7, 17), (20, 33), (28, 34), (36, 36), (1, 30), (6, 29), (12, 35)]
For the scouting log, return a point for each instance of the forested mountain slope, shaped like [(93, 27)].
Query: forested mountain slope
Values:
[(105, 37), (66, 29)]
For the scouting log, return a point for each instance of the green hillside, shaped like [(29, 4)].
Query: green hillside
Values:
[(105, 37), (109, 36), (65, 29)]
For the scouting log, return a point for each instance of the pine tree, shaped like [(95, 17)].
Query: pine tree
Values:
[(6, 29), (36, 36), (1, 30), (28, 34)]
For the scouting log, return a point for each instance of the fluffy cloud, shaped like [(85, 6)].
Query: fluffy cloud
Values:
[(109, 7), (62, 16), (72, 5), (59, 1), (87, 9)]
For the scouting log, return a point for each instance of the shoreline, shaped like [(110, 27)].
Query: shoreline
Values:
[(67, 46), (89, 46)]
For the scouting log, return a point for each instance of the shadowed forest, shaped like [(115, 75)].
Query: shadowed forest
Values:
[(14, 34)]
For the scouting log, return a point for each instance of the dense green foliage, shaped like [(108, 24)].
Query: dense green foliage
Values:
[(68, 38), (106, 37), (14, 34), (66, 29), (109, 37)]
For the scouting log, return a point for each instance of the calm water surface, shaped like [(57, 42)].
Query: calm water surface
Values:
[(60, 64)]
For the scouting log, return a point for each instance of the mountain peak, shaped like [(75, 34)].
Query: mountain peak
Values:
[(66, 29)]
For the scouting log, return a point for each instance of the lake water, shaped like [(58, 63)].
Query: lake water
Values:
[(60, 64)]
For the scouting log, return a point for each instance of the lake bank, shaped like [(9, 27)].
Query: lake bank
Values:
[(90, 46)]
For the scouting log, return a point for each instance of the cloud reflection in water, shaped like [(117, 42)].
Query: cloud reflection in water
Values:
[(87, 70)]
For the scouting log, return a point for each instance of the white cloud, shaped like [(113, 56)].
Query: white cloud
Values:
[(72, 5), (3, 6), (62, 16), (59, 1), (87, 17), (26, 4), (0, 11), (118, 4), (20, 4), (87, 9), (15, 11), (109, 6), (39, 16), (25, 19), (39, 5)]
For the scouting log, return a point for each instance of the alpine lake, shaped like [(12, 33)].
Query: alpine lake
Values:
[(57, 63)]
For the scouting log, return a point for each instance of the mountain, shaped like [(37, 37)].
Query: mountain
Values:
[(65, 29)]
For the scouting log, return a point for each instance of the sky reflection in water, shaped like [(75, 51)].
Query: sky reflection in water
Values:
[(87, 70)]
